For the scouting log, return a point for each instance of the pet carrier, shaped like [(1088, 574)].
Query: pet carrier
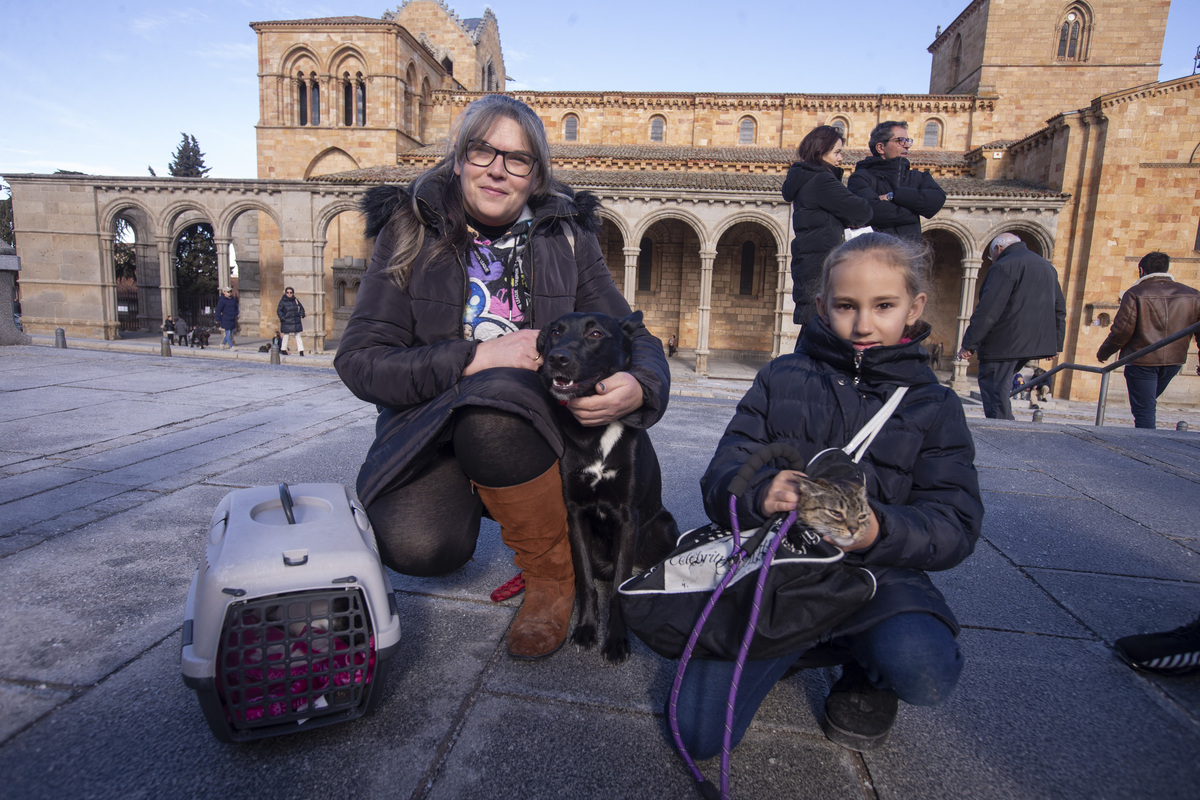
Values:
[(291, 617)]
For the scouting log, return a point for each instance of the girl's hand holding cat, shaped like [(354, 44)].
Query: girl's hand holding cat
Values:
[(783, 493)]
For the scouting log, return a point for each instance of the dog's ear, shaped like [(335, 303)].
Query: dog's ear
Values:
[(631, 323), (541, 340)]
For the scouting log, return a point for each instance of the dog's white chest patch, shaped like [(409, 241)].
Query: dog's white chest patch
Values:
[(597, 470)]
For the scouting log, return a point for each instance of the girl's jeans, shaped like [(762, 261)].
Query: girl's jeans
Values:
[(913, 655)]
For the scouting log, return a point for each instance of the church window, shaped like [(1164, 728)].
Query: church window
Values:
[(361, 90), (491, 78), (657, 126), (347, 101), (448, 65), (644, 265), (746, 131), (746, 284), (933, 134), (841, 125), (314, 106), (1072, 35), (302, 96), (570, 128)]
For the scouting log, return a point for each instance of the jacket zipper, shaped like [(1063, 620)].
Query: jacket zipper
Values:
[(858, 357)]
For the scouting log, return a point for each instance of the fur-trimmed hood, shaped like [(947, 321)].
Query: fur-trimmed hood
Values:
[(380, 203)]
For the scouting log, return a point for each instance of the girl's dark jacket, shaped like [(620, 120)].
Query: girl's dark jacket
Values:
[(227, 312), (920, 469), (403, 349), (822, 209), (290, 312)]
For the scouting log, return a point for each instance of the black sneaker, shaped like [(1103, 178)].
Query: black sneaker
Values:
[(1174, 652), (858, 716)]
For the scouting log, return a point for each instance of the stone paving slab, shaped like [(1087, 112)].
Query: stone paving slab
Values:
[(93, 577)]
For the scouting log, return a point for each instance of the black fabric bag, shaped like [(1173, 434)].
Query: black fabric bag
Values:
[(807, 590)]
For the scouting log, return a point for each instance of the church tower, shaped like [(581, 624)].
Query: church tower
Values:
[(1039, 59)]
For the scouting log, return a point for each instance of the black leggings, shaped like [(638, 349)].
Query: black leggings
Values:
[(429, 526)]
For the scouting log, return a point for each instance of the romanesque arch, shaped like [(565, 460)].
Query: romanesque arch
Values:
[(674, 213), (348, 58), (330, 161)]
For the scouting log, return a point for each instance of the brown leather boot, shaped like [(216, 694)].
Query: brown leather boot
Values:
[(533, 522)]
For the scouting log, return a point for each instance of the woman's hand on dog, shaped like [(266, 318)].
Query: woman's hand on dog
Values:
[(517, 349), (617, 395)]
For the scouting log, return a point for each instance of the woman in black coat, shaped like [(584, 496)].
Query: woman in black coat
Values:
[(470, 261), (822, 209), (291, 318)]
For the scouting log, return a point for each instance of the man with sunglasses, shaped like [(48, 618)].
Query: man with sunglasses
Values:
[(898, 196)]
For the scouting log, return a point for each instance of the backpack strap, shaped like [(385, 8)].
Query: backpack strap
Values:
[(862, 440)]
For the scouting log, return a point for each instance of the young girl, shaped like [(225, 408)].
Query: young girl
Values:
[(924, 495)]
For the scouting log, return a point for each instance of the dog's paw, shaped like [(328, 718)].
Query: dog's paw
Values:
[(615, 650), (584, 636)]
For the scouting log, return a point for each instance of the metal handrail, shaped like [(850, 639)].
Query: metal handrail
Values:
[(1106, 370)]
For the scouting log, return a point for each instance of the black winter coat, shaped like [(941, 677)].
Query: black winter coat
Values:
[(403, 349), (290, 312), (822, 209), (920, 469), (1021, 312), (915, 194)]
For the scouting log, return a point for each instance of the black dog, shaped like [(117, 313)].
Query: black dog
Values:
[(611, 479), (200, 337)]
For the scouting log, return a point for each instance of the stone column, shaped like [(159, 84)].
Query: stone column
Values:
[(223, 274), (166, 280), (706, 277), (10, 264), (782, 272), (631, 265), (970, 273), (109, 316)]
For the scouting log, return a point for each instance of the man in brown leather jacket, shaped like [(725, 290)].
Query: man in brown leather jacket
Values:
[(1153, 308)]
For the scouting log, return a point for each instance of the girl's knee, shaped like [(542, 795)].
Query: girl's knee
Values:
[(929, 680)]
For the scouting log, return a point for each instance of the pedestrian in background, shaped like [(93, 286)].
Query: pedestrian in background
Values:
[(291, 316), (227, 316), (1021, 316), (822, 209), (1155, 307)]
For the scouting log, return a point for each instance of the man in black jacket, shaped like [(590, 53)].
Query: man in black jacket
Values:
[(898, 196), (1021, 316)]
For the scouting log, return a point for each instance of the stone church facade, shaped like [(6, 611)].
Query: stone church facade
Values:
[(1045, 120)]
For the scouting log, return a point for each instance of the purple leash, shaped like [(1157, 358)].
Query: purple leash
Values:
[(739, 556)]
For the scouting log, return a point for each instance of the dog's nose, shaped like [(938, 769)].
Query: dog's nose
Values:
[(557, 358)]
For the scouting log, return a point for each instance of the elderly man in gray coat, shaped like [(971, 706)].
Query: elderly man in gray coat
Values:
[(1021, 316)]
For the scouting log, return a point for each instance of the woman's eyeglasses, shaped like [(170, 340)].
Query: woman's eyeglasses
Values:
[(516, 163)]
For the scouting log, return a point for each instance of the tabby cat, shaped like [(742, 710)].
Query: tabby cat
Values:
[(835, 510)]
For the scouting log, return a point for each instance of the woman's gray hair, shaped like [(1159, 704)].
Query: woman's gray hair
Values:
[(472, 125)]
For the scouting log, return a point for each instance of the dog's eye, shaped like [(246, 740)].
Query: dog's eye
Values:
[(596, 334)]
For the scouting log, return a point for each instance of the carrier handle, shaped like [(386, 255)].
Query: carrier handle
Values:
[(285, 497), (768, 452)]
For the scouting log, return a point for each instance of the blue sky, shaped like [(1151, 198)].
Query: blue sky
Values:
[(108, 87)]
